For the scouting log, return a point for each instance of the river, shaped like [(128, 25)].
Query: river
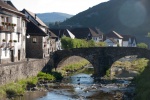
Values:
[(82, 86)]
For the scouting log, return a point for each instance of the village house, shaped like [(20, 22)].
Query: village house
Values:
[(129, 41), (88, 34), (12, 33), (60, 33), (114, 39), (40, 40)]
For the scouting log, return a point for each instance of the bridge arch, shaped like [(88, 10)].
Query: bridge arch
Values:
[(100, 57), (60, 63)]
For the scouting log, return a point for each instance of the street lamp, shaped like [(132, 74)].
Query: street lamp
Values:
[(28, 36)]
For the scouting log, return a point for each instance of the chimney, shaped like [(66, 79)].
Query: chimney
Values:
[(35, 16)]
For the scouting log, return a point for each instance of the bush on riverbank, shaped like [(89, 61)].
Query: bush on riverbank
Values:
[(16, 89), (142, 81), (19, 87), (46, 76)]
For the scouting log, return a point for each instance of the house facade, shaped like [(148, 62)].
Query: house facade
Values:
[(12, 33), (129, 41), (121, 40), (110, 42), (115, 36), (40, 40)]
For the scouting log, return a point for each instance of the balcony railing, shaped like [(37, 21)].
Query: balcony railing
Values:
[(6, 28)]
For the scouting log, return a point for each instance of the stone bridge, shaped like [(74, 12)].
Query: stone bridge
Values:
[(100, 57)]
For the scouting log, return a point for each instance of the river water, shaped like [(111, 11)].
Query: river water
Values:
[(82, 87)]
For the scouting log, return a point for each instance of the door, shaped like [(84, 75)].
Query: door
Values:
[(12, 55), (18, 55)]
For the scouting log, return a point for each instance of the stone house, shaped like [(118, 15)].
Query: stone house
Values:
[(12, 33), (39, 38)]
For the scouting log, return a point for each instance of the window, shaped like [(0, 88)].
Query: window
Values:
[(34, 40)]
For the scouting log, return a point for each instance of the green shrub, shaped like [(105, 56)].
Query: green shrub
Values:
[(57, 75), (45, 76), (13, 89)]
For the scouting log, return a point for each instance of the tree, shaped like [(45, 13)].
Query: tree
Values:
[(100, 44), (68, 43), (142, 45), (91, 43)]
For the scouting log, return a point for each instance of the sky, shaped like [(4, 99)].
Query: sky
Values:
[(65, 6)]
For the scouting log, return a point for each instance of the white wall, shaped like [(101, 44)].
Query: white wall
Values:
[(125, 44), (110, 43), (5, 52)]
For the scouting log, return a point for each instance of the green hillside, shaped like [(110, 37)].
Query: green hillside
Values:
[(123, 16)]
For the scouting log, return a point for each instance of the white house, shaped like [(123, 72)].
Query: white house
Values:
[(12, 33), (129, 41), (122, 40), (111, 42), (117, 37)]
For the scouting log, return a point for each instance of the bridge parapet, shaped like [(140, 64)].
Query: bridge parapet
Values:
[(100, 57)]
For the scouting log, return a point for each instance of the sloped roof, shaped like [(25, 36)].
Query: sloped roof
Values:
[(113, 34), (60, 32), (93, 33), (70, 34), (83, 33), (52, 34), (10, 3), (34, 30), (35, 17), (126, 38), (96, 30), (9, 7)]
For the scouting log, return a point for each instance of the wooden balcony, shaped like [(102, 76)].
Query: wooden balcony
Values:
[(6, 29)]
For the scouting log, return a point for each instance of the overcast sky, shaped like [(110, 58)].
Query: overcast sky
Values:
[(64, 6)]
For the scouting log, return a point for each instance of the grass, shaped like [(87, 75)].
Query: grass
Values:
[(73, 67), (19, 88), (45, 76), (142, 81)]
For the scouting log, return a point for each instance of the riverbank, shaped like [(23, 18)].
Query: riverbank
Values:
[(37, 83), (139, 69), (18, 88)]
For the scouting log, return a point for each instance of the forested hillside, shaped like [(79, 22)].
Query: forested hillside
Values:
[(123, 16)]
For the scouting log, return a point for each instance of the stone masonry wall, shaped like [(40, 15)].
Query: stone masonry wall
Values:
[(21, 70)]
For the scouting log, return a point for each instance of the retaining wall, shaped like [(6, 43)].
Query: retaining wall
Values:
[(21, 70)]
